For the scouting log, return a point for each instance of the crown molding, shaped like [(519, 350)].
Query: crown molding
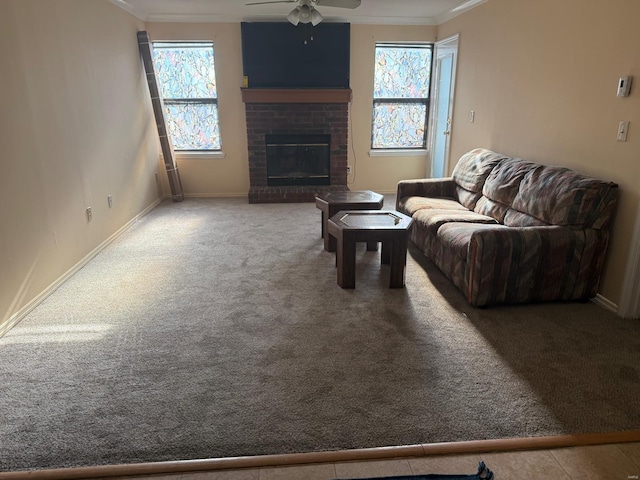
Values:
[(190, 18), (392, 20), (208, 18), (354, 19), (123, 4), (465, 7)]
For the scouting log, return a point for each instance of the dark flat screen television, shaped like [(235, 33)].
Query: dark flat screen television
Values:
[(281, 55)]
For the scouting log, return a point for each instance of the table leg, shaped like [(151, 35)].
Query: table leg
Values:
[(330, 243), (346, 260), (323, 224), (398, 261), (329, 240), (385, 257)]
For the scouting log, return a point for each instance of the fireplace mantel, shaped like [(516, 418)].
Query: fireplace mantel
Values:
[(296, 95)]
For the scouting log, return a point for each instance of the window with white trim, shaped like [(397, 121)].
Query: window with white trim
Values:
[(187, 82), (401, 96)]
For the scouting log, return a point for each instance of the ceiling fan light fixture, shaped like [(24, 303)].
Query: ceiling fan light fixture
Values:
[(304, 13), (316, 18), (294, 16)]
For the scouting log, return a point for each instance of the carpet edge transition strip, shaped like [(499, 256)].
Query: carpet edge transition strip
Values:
[(259, 461)]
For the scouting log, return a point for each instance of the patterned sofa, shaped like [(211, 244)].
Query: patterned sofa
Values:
[(506, 230)]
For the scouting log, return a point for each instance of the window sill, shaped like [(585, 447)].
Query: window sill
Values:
[(199, 155), (398, 153)]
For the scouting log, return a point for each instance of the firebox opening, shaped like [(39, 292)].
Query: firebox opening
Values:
[(298, 159)]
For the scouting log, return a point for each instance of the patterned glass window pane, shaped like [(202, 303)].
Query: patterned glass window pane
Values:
[(402, 72), (402, 77), (399, 125), (185, 70), (187, 81), (193, 126)]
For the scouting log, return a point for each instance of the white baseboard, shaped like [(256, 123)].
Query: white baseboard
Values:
[(605, 303), (14, 319)]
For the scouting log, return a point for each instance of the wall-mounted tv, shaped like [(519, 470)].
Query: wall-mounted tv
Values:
[(281, 55)]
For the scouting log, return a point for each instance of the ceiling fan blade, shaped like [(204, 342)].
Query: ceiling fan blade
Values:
[(273, 1), (339, 3)]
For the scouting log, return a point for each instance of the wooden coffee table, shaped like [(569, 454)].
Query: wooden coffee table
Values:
[(389, 227), (332, 202)]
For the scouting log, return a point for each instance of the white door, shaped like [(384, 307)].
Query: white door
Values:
[(445, 55)]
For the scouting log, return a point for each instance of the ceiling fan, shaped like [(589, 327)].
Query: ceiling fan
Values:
[(305, 11)]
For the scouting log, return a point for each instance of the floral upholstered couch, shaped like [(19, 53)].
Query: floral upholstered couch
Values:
[(506, 230)]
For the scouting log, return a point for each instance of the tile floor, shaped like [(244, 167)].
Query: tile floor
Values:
[(601, 462)]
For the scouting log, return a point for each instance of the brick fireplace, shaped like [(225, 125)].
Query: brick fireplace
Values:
[(295, 112)]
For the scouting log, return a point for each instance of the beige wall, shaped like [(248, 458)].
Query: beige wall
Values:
[(380, 174), (230, 176), (74, 127), (541, 76)]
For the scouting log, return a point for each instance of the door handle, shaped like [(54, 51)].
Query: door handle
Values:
[(446, 132)]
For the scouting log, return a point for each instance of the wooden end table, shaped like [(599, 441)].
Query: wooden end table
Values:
[(389, 227), (331, 203)]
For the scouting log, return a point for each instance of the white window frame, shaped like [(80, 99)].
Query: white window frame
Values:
[(194, 153), (403, 151)]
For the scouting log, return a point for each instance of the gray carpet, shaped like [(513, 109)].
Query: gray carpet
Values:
[(216, 328)]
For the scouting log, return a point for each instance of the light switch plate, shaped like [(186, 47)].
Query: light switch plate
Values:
[(623, 128)]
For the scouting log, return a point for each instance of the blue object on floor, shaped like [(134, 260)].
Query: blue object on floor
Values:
[(483, 474)]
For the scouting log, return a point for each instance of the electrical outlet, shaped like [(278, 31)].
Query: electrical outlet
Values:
[(472, 116), (348, 169), (110, 200), (89, 214)]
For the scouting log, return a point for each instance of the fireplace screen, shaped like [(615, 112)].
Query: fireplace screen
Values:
[(298, 159)]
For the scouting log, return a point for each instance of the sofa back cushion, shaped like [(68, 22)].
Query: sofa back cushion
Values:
[(560, 196), (522, 193), (470, 174)]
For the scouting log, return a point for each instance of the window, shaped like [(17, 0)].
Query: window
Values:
[(401, 96), (187, 82)]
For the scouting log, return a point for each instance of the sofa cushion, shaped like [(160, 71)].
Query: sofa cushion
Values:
[(432, 219), (457, 236), (559, 196), (488, 207), (514, 218), (467, 198), (545, 195), (503, 184), (471, 171), (411, 205)]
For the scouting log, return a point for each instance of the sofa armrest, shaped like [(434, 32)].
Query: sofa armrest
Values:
[(426, 187), (526, 264)]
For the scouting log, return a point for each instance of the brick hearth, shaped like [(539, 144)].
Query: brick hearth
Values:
[(295, 112)]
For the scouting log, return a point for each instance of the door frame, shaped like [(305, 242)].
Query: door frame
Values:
[(630, 299), (447, 45)]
